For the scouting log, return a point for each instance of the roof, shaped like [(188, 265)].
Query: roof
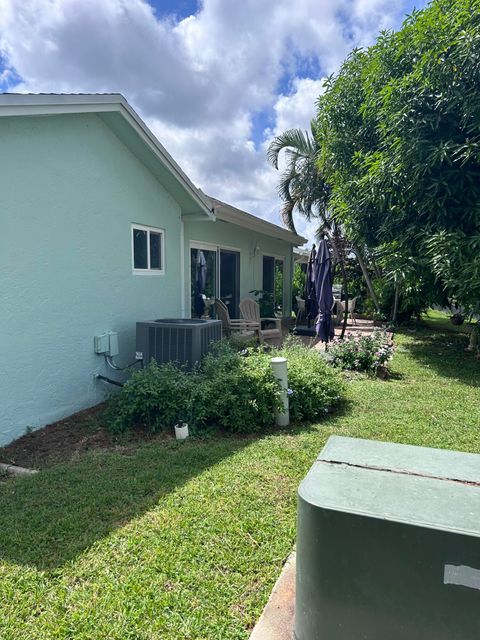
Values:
[(115, 111), (301, 255), (228, 213)]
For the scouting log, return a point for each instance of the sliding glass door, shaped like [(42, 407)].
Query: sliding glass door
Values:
[(203, 282), (230, 280), (214, 273)]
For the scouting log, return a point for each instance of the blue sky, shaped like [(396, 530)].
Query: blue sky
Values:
[(215, 80), (179, 8)]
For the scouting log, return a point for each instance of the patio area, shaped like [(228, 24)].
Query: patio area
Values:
[(361, 326)]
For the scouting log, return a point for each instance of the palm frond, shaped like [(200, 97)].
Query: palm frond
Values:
[(293, 139)]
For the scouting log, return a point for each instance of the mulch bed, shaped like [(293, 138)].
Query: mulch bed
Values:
[(66, 440)]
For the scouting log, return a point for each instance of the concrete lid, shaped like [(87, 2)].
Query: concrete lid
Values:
[(418, 486)]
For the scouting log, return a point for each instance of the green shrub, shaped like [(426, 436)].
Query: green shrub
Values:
[(227, 390), (233, 390), (360, 352), (237, 392), (238, 342), (315, 387), (156, 397)]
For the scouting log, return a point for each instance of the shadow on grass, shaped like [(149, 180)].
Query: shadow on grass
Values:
[(394, 376), (444, 352), (50, 518)]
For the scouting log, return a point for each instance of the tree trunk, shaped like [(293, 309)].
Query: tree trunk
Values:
[(395, 302), (366, 275), (473, 345)]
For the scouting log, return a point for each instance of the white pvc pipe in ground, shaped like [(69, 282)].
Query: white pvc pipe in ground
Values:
[(280, 371)]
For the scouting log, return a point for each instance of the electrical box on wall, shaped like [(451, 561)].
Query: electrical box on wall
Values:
[(388, 544), (101, 343), (106, 343), (112, 343)]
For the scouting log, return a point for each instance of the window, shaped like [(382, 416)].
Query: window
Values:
[(147, 250)]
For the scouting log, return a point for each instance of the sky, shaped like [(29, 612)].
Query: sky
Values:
[(215, 80)]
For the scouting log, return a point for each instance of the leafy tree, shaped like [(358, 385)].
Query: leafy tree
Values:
[(398, 136)]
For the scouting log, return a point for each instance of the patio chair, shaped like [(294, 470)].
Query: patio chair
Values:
[(351, 309), (229, 326), (301, 318), (250, 312), (338, 309), (300, 304)]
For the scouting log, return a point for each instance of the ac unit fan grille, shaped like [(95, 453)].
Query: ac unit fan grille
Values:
[(177, 341), (168, 344)]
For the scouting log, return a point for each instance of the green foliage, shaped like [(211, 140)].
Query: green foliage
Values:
[(456, 260), (265, 301), (238, 342), (231, 389), (398, 132), (228, 390), (316, 387), (301, 187), (361, 352), (156, 397), (236, 392), (298, 283)]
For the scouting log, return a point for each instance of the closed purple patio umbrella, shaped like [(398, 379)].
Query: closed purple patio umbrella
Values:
[(311, 305), (323, 288)]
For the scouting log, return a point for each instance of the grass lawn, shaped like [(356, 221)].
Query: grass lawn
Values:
[(440, 321), (180, 542)]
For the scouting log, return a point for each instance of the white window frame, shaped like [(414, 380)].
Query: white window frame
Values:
[(148, 271)]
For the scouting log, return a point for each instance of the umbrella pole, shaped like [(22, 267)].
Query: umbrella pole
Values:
[(345, 288)]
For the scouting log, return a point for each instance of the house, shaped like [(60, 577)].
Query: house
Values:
[(99, 229)]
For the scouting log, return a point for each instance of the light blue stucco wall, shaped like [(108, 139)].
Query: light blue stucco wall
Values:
[(69, 191), (252, 247)]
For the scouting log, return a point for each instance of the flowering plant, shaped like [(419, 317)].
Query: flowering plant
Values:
[(361, 352)]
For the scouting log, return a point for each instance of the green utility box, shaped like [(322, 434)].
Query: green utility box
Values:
[(388, 544)]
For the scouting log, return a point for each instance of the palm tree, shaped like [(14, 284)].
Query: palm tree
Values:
[(301, 185), (303, 189)]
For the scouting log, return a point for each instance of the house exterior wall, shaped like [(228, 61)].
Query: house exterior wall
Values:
[(252, 247), (69, 192)]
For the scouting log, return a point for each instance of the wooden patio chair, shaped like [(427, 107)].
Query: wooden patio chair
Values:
[(351, 309), (229, 325), (301, 317), (250, 312), (338, 310)]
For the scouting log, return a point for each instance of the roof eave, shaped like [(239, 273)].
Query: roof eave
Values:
[(52, 104), (228, 213)]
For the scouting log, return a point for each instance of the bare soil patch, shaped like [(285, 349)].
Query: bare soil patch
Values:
[(67, 439)]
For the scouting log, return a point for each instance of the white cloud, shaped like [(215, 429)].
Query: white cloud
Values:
[(201, 82), (295, 111)]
